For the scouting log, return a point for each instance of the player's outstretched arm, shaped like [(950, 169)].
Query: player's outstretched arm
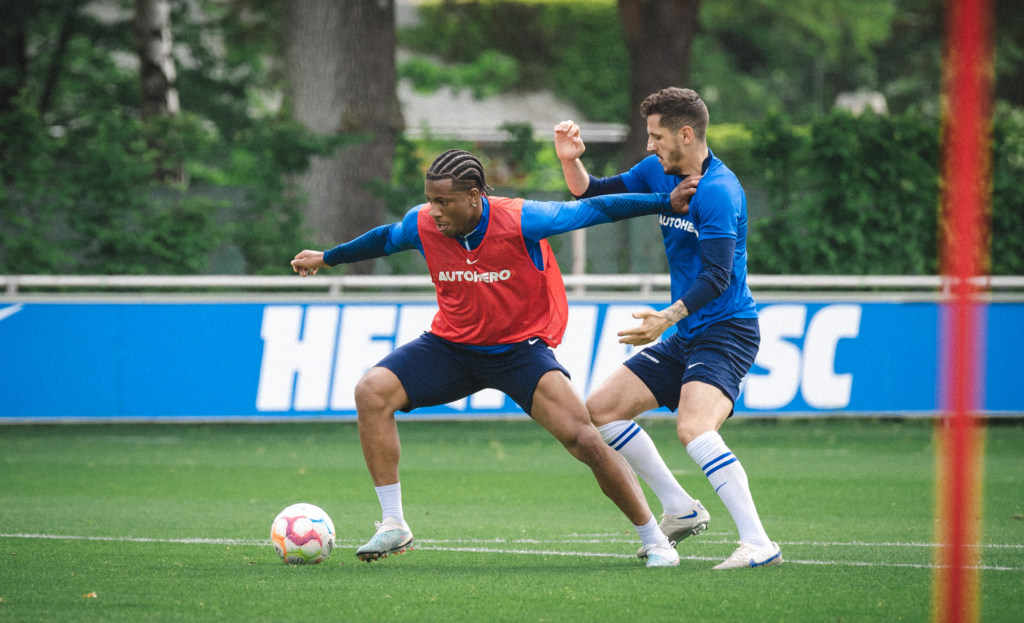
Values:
[(370, 245), (378, 242), (542, 219)]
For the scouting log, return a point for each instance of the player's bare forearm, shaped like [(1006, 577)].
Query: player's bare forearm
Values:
[(576, 176), (676, 312), (569, 147), (307, 262)]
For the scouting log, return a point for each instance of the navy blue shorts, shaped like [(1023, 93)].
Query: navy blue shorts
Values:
[(434, 371), (721, 355)]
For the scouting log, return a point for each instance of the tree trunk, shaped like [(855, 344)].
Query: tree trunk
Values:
[(156, 66), (341, 68), (659, 37), (67, 29), (13, 52), (152, 25)]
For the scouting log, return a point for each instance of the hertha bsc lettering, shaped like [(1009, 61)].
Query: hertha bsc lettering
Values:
[(474, 277)]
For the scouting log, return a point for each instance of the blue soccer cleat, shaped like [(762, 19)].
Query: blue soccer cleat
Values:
[(749, 557)]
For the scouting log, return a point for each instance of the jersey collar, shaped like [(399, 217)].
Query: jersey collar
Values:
[(473, 239)]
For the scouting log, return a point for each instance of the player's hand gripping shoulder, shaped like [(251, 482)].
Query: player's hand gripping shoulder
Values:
[(682, 194), (307, 262), (653, 324)]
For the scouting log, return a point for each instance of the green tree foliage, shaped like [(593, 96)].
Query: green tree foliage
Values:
[(792, 55), (574, 48), (750, 56), (490, 74), (27, 213), (77, 164)]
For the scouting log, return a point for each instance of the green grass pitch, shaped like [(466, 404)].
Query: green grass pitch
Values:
[(509, 527)]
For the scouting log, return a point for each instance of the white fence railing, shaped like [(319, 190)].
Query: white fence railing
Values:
[(578, 284)]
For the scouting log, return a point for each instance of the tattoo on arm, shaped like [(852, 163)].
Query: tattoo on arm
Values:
[(676, 312)]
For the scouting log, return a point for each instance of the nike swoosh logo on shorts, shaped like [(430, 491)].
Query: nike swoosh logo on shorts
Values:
[(695, 364), (533, 341)]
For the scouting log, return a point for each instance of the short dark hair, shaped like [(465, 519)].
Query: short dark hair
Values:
[(678, 108), (462, 168)]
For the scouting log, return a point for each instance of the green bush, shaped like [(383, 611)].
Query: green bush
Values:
[(1008, 192), (88, 201), (27, 209), (860, 195)]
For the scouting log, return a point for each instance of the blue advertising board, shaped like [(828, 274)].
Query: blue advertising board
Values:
[(226, 360)]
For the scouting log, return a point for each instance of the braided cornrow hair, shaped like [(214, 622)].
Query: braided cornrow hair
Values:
[(462, 168)]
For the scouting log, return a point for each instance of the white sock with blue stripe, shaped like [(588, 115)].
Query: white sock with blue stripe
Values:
[(636, 446), (390, 497), (651, 535), (726, 475)]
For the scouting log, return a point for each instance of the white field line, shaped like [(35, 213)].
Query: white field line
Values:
[(484, 550), (498, 541), (487, 550), (702, 541), (131, 539)]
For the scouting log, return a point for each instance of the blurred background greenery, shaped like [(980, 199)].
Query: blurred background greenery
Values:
[(198, 136)]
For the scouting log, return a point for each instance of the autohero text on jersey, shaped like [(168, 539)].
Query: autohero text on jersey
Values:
[(476, 277)]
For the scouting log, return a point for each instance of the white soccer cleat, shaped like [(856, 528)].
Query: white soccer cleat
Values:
[(392, 537), (749, 557), (663, 556), (678, 527)]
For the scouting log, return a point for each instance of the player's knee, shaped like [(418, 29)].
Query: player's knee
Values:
[(685, 432), (689, 427), (601, 412), (587, 446), (371, 394)]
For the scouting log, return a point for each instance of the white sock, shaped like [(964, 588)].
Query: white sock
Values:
[(390, 497), (726, 475), (651, 535), (636, 446)]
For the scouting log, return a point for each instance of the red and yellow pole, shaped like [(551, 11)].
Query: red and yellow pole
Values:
[(966, 154)]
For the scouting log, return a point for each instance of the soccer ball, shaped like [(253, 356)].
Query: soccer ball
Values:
[(302, 534)]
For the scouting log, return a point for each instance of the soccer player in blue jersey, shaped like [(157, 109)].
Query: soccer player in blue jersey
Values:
[(501, 305), (698, 370)]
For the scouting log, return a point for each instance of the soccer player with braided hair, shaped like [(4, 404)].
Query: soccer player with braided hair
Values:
[(502, 307)]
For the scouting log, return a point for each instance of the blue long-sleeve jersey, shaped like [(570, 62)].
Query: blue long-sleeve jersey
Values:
[(707, 248)]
